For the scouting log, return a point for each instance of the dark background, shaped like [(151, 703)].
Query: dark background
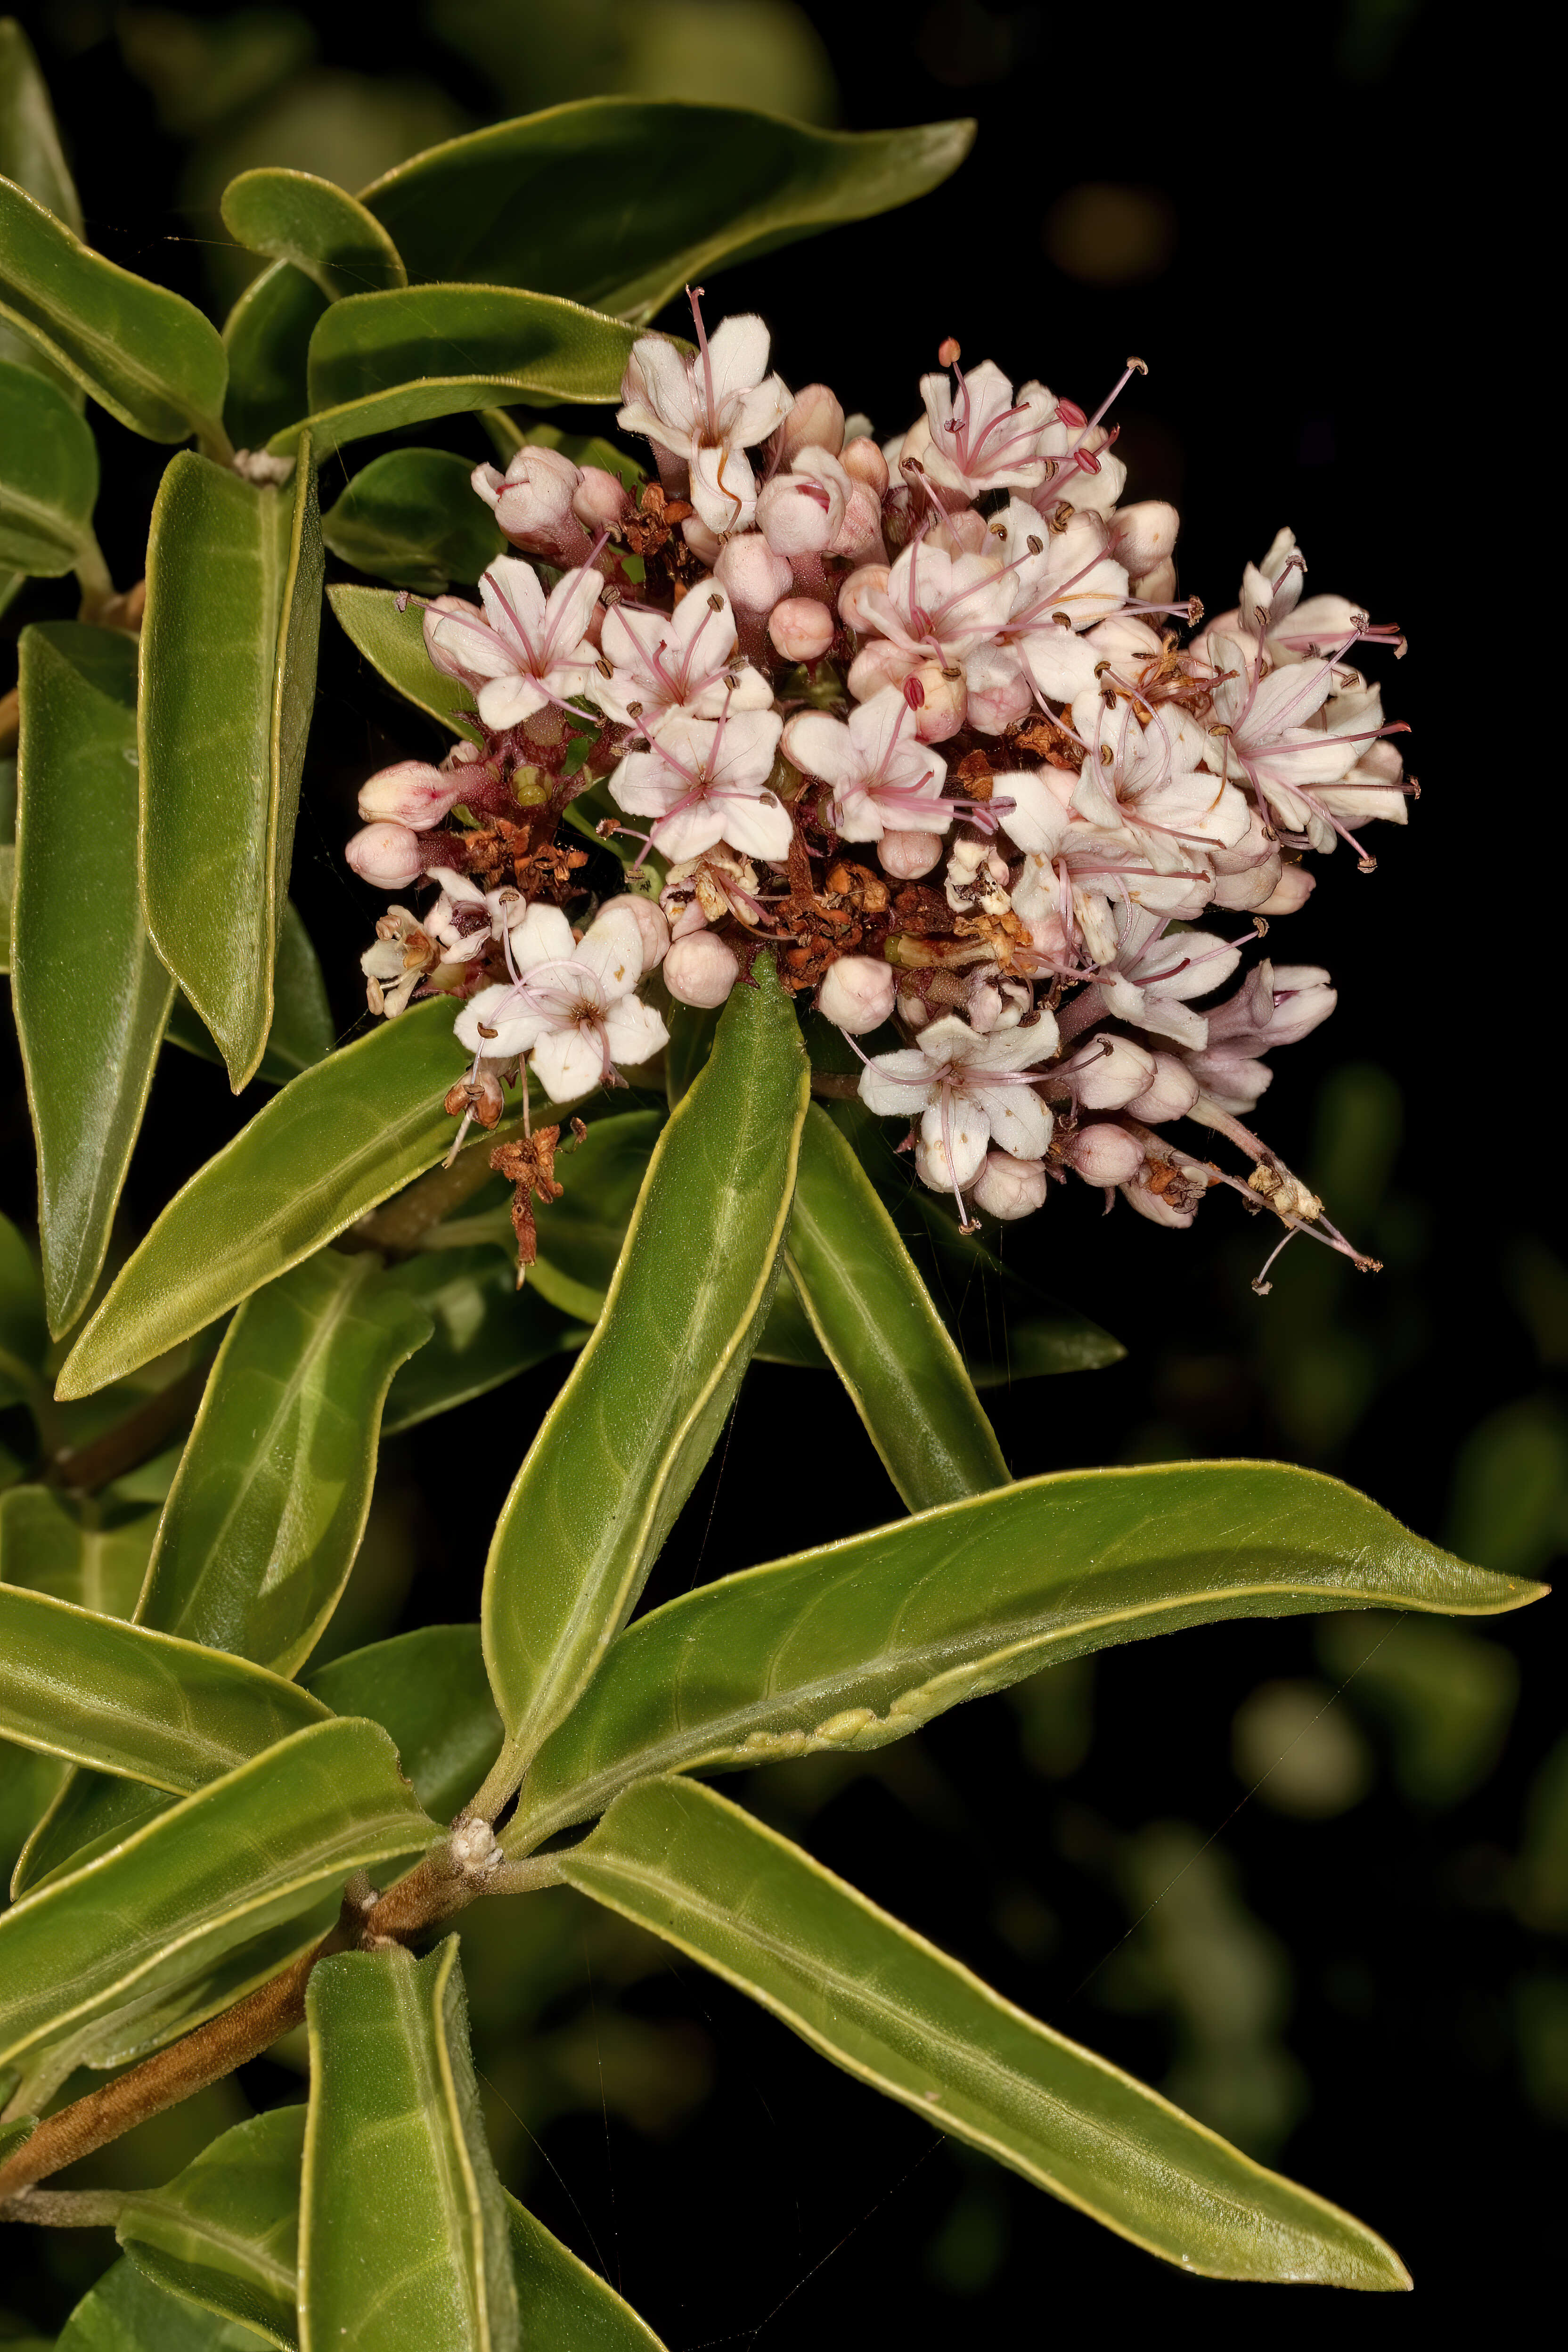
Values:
[(1354, 1968)]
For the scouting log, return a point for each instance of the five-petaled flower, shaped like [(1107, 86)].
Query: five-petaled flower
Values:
[(965, 1088), (573, 1007), (705, 781), (708, 410), (524, 650)]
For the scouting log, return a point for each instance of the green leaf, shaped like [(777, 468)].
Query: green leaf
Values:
[(243, 1855), (340, 1139), (267, 338), (294, 216), (430, 1691), (48, 476), (889, 2009), (30, 154), (875, 1319), (234, 570), (392, 641), (15, 2134), (24, 1332), (487, 1331), (146, 356), (580, 1235), (561, 2302), (581, 449), (89, 1812), (403, 2242), (81, 1553), (661, 193), (132, 1702), (224, 2233), (128, 2311), (303, 1032), (412, 516), (379, 361), (857, 1643), (269, 1504), (91, 997), (625, 1440)]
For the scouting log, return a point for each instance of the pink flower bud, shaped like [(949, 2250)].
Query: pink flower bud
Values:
[(753, 577), (905, 857), (859, 536), (864, 462), (1103, 1154), (857, 993), (1144, 535), (1009, 1188), (799, 513), (706, 545), (450, 663), (600, 501), (1109, 1071), (650, 922), (816, 421), (801, 628), (937, 700), (410, 793), (700, 968), (387, 854), (869, 579), (1291, 893), (1171, 1092), (532, 502)]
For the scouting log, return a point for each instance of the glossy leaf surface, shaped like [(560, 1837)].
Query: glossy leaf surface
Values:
[(30, 150), (580, 1235), (241, 1855), (412, 518), (267, 338), (224, 2233), (662, 192), (302, 1033), (379, 361), (625, 1440), (146, 356), (88, 1023), (236, 570), (92, 1556), (858, 1643), (430, 1691), (129, 2311), (90, 1812), (404, 2243), (269, 1504), (393, 644), (48, 476), (561, 2302), (23, 1333), (874, 1316), (486, 1332), (889, 2007), (342, 1138), (295, 216), (132, 1702)]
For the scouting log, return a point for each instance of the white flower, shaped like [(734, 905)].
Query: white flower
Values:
[(939, 607), (706, 780), (465, 920), (1260, 728), (573, 1007), (1148, 782), (707, 410), (525, 650), (979, 438), (800, 512), (965, 1088), (1062, 581), (1154, 972), (884, 779), (684, 660)]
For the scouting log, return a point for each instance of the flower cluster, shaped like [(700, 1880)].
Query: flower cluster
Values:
[(927, 721)]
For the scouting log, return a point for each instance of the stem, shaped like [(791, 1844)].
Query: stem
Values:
[(135, 1438), (68, 2208), (97, 586), (213, 441), (398, 1227)]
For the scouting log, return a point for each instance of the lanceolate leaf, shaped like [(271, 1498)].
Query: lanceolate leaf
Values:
[(269, 1504), (412, 516), (581, 1238), (224, 2233), (91, 997), (564, 2303), (392, 641), (132, 1702), (403, 2242), (267, 338), (429, 1690), (128, 2311), (661, 193), (294, 216), (23, 1333), (86, 1553), (889, 2007), (241, 1855), (379, 361), (857, 1643), (229, 673), (625, 1441), (146, 356), (487, 1331), (302, 1031), (342, 1138), (875, 1317), (48, 476), (89, 1812), (30, 154)]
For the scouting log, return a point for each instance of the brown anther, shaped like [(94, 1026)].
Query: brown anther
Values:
[(948, 352), (606, 668), (715, 603), (1141, 366)]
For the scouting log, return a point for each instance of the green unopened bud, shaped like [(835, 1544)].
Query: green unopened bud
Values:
[(529, 789)]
